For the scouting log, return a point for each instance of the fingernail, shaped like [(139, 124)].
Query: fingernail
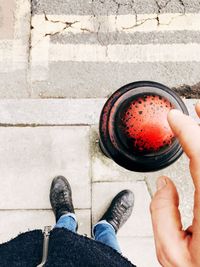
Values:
[(161, 182), (176, 111), (174, 114)]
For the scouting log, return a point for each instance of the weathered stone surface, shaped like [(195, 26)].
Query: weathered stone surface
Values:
[(50, 111), (180, 174), (135, 37), (113, 7), (91, 79), (31, 157), (140, 251), (60, 111), (106, 170), (14, 222), (139, 224)]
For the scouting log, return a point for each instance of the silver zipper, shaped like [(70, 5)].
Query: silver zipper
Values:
[(46, 233)]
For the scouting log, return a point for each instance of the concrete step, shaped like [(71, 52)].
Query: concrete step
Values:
[(37, 112)]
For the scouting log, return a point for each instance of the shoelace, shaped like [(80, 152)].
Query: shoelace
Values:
[(121, 209)]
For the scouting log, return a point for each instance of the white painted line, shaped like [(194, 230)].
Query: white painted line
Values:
[(42, 27), (126, 23), (125, 53), (43, 51), (40, 60), (59, 111)]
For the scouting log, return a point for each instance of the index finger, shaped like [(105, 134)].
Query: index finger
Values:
[(197, 107), (188, 133)]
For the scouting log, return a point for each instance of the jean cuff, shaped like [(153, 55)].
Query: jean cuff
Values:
[(73, 215), (101, 222)]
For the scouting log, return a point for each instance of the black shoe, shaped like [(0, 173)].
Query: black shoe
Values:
[(120, 209), (61, 197)]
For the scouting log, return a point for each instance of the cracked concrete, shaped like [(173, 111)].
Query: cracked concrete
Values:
[(46, 25), (105, 23), (160, 5), (67, 23), (113, 23), (105, 30), (139, 22), (183, 5), (43, 26), (163, 5)]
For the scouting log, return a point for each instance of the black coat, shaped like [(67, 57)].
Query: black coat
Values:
[(66, 249)]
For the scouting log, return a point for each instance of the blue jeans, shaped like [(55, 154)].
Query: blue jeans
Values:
[(102, 231)]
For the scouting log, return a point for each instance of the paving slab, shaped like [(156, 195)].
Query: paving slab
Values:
[(14, 222), (140, 251), (180, 175), (106, 170), (78, 111), (139, 224), (50, 111), (32, 156)]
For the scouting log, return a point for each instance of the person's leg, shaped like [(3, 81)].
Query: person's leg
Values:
[(105, 233), (116, 215), (67, 221), (62, 205)]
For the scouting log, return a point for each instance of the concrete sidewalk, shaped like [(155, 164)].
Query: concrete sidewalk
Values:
[(42, 140), (59, 61)]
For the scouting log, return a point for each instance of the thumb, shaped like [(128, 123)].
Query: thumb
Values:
[(166, 217)]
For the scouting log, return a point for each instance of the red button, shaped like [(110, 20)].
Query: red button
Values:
[(145, 123)]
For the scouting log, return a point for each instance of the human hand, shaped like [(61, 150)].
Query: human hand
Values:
[(174, 246)]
